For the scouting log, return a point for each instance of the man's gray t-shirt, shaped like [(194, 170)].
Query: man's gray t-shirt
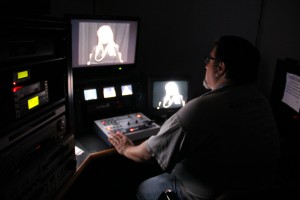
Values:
[(226, 138)]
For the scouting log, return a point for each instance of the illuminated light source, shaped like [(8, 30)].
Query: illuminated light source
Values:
[(126, 89), (23, 74), (33, 102), (109, 92), (15, 89), (90, 94), (120, 68)]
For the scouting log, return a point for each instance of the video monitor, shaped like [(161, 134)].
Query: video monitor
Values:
[(126, 90), (109, 92), (103, 41), (90, 94), (167, 95)]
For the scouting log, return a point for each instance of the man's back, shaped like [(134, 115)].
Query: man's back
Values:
[(231, 140)]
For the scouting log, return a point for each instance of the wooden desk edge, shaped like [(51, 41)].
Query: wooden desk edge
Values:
[(69, 182)]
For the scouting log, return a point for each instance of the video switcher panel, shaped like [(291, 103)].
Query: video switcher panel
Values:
[(136, 126)]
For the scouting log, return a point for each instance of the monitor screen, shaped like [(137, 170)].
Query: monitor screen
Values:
[(167, 95), (90, 94), (126, 90), (109, 92), (100, 41)]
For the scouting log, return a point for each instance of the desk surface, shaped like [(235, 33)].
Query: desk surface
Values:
[(90, 145), (87, 147)]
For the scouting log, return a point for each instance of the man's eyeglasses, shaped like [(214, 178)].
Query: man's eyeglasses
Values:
[(208, 58)]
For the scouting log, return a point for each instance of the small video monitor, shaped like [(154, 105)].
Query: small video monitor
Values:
[(126, 90), (109, 92), (90, 94), (167, 94)]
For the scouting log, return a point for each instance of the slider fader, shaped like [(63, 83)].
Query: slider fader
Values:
[(135, 125)]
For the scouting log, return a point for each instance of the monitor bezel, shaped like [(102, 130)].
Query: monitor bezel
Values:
[(107, 67), (162, 114)]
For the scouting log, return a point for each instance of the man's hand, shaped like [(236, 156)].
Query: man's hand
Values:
[(120, 141)]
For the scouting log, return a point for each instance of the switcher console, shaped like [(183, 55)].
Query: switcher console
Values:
[(135, 125)]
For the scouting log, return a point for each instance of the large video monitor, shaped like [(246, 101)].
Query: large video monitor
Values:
[(107, 42), (167, 94)]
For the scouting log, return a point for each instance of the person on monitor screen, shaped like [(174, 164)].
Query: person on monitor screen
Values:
[(172, 97), (106, 51), (222, 141)]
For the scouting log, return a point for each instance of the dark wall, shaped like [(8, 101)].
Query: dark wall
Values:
[(175, 36), (25, 8), (280, 37)]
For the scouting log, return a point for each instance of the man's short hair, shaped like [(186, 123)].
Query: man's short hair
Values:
[(240, 56)]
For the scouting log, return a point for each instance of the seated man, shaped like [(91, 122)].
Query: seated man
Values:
[(223, 140)]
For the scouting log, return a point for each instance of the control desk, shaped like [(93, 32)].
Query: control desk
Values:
[(136, 126)]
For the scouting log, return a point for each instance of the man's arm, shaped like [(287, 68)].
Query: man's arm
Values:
[(127, 148)]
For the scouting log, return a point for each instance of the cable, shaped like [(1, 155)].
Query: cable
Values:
[(260, 24)]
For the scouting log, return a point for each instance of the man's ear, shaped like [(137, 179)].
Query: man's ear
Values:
[(221, 68)]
